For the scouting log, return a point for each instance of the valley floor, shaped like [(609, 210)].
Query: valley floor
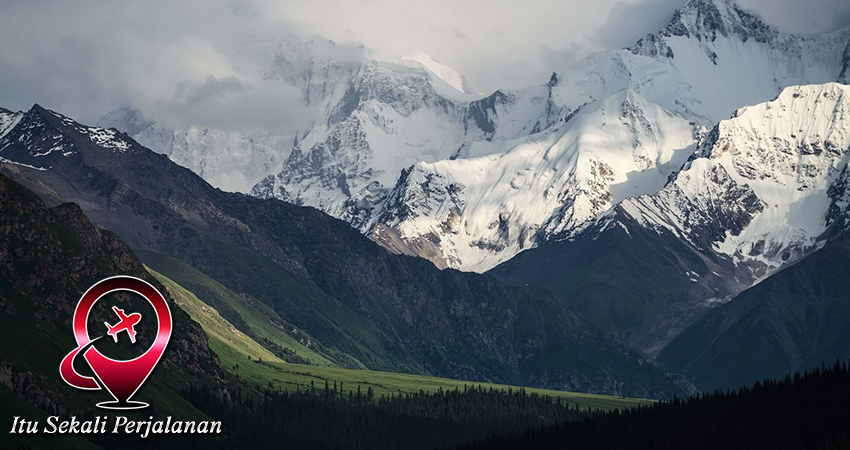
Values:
[(249, 361)]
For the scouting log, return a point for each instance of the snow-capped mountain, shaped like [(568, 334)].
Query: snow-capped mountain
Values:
[(410, 316), (230, 160), (389, 117), (31, 130), (481, 211), (237, 160), (404, 152), (367, 120), (787, 162), (764, 187), (723, 58), (711, 59), (763, 190)]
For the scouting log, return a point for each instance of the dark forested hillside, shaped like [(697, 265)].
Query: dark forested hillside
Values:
[(793, 321), (803, 412), (645, 285), (48, 258), (388, 311), (328, 417)]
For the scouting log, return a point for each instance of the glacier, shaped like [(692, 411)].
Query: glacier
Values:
[(406, 152)]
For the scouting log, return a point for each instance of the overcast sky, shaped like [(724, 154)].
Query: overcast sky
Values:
[(176, 57)]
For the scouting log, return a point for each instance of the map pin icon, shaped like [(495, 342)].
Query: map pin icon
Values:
[(122, 379)]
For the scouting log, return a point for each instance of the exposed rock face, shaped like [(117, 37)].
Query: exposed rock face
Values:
[(844, 76)]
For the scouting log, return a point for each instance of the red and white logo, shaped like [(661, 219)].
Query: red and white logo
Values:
[(122, 379)]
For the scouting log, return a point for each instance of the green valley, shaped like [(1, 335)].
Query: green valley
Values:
[(243, 357), (246, 314)]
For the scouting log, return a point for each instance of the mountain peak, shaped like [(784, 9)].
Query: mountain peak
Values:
[(776, 162), (725, 8), (38, 114), (712, 3), (705, 21), (53, 132), (37, 109), (554, 80)]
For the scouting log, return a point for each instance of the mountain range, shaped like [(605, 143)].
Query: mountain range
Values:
[(394, 148), (665, 201), (360, 305), (764, 190)]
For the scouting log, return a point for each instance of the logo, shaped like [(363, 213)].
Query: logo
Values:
[(122, 379)]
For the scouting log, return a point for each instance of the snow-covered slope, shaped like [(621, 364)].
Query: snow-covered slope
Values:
[(390, 117), (482, 211), (444, 73), (764, 185), (230, 160), (402, 151), (8, 120), (364, 120), (763, 190), (711, 59)]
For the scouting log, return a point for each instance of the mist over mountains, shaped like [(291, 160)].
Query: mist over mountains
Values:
[(661, 200)]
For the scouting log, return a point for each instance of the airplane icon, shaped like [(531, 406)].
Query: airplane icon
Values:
[(127, 323)]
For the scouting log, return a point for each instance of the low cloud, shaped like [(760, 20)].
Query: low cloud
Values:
[(628, 22), (205, 62), (801, 16), (229, 104)]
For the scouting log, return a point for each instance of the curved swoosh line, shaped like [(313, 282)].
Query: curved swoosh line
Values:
[(70, 375)]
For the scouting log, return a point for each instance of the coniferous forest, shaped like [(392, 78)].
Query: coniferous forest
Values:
[(330, 417), (806, 411)]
